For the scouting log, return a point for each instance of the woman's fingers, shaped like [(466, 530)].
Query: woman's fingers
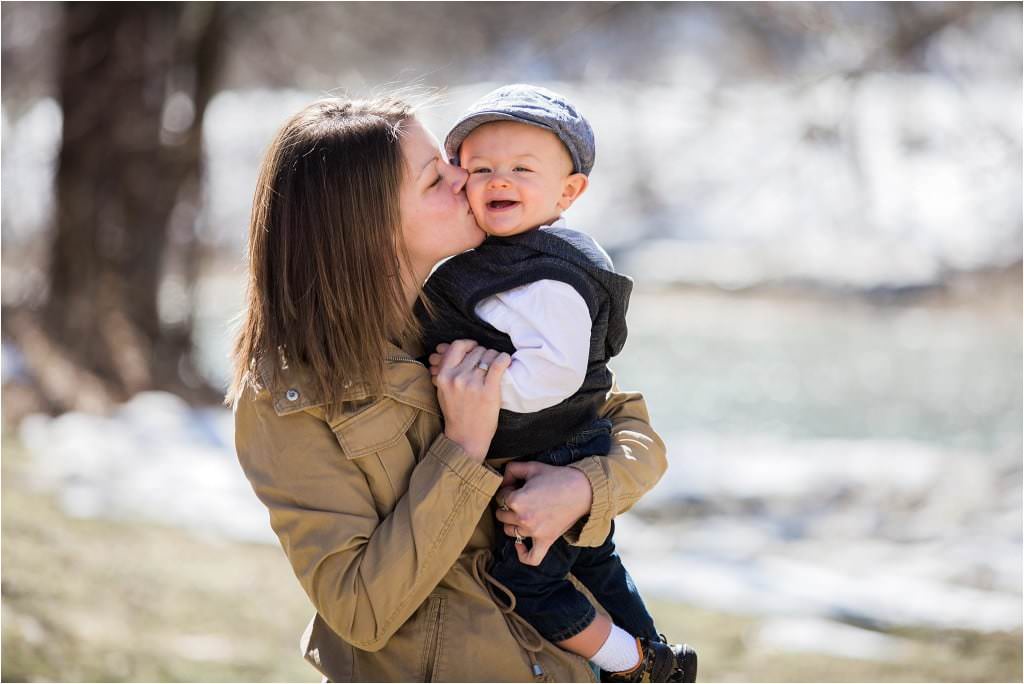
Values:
[(487, 359), (502, 497), (511, 518), (470, 405), (523, 553), (538, 547), (456, 353), (519, 470), (498, 365), (436, 356), (550, 500), (466, 376), (450, 359), (535, 554), (470, 362)]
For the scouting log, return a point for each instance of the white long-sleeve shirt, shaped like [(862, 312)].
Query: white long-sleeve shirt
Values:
[(549, 324)]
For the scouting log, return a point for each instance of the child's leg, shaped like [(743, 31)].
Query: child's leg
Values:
[(549, 601), (591, 639), (600, 570), (544, 596), (606, 645)]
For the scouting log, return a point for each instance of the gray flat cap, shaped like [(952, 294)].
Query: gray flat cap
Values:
[(530, 105)]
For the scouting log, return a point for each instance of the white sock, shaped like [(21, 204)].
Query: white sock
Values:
[(619, 653)]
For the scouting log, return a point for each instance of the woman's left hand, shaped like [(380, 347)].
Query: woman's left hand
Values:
[(550, 501)]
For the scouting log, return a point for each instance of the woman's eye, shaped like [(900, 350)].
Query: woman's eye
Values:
[(436, 181)]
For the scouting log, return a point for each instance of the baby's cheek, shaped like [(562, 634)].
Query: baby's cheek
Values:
[(474, 188), (475, 195)]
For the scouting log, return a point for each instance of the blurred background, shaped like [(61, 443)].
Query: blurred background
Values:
[(820, 205)]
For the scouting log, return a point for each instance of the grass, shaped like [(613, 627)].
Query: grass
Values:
[(728, 653), (92, 600)]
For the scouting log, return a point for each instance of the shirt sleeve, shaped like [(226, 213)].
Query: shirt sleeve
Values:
[(549, 324)]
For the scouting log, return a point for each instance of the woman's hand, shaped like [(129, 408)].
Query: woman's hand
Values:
[(550, 501), (469, 394)]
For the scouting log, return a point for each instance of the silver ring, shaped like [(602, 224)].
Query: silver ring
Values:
[(483, 366), (519, 538)]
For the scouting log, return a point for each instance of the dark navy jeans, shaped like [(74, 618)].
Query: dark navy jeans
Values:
[(544, 595)]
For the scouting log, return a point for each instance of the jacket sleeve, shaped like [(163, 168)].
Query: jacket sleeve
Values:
[(365, 573), (633, 466)]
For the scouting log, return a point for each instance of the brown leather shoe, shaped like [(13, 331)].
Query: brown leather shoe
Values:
[(660, 662)]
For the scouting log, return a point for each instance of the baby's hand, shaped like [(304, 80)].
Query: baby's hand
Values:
[(435, 359)]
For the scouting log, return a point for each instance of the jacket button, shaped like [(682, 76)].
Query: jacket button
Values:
[(291, 395)]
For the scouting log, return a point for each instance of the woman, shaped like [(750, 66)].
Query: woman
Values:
[(383, 509)]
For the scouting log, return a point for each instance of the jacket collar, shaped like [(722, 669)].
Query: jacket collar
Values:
[(405, 380)]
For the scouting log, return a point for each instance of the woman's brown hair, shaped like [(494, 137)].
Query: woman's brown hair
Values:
[(325, 286)]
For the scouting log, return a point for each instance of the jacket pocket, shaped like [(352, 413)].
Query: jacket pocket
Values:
[(375, 428), (433, 638)]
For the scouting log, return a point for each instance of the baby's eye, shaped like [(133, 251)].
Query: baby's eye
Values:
[(480, 169), (520, 168)]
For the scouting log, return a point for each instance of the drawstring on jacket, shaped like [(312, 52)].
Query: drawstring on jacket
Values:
[(523, 632)]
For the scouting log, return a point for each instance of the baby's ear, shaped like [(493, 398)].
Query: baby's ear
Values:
[(574, 186)]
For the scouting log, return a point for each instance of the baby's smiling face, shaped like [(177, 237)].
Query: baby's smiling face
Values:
[(520, 177)]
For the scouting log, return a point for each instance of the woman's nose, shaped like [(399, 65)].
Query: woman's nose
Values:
[(457, 176)]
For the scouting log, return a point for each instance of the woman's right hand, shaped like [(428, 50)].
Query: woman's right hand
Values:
[(470, 396)]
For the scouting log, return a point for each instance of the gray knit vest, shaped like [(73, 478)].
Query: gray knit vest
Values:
[(500, 264)]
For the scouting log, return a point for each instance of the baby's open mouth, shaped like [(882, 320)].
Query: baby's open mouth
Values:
[(501, 204)]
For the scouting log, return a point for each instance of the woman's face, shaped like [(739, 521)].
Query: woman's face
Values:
[(436, 219)]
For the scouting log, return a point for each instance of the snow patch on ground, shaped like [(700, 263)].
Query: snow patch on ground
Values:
[(155, 458), (881, 533)]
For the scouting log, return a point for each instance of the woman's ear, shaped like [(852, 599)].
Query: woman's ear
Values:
[(574, 186)]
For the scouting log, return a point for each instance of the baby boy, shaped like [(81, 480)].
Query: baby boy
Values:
[(549, 296)]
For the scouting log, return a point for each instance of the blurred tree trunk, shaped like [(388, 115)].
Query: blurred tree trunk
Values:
[(134, 82)]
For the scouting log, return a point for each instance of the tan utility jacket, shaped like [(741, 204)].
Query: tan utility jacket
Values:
[(388, 526)]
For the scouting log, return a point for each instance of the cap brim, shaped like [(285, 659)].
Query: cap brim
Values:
[(460, 131)]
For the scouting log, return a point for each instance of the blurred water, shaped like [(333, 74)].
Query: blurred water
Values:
[(833, 368)]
